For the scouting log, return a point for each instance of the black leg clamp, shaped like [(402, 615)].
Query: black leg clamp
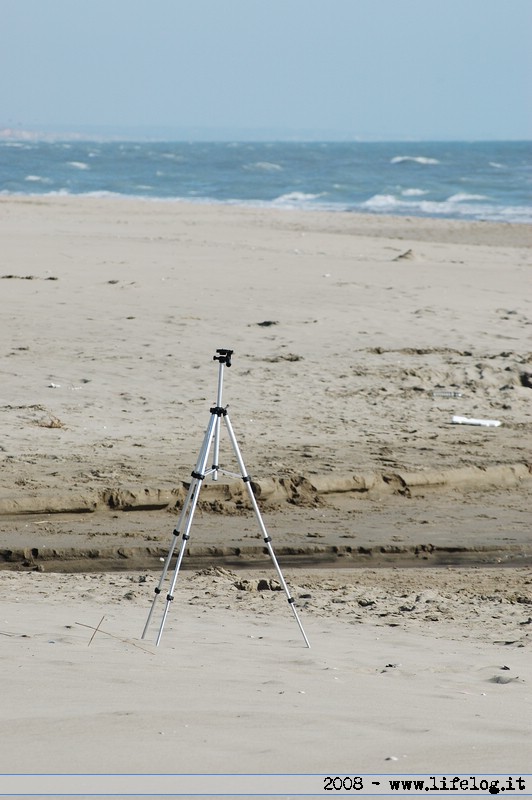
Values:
[(219, 411)]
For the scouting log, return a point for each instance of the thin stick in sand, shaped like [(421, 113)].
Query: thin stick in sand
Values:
[(112, 635), (95, 630)]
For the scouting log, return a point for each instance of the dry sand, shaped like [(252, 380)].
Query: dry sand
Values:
[(411, 671), (356, 340)]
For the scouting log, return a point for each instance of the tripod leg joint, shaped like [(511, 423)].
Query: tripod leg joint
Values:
[(197, 475), (219, 411)]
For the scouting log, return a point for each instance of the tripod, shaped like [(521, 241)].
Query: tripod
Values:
[(184, 523)]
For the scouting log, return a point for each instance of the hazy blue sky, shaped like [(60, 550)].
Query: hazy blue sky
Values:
[(377, 69)]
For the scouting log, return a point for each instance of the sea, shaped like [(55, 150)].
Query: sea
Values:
[(489, 181)]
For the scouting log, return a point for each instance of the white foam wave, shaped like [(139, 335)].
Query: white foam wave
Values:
[(456, 206), (381, 202), (170, 156), (78, 164), (463, 197), (416, 159), (21, 145), (413, 192), (36, 179), (295, 199), (378, 204), (264, 166)]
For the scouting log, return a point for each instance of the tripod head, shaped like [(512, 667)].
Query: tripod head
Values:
[(224, 357)]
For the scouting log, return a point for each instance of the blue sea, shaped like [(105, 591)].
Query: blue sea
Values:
[(455, 180)]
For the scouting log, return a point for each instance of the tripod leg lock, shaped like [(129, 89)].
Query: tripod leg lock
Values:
[(197, 475), (267, 539), (291, 600), (219, 411), (169, 597)]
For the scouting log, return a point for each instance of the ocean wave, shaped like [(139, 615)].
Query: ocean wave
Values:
[(463, 197), (456, 207), (37, 179), (264, 166), (416, 159), (413, 192), (378, 204), (63, 192), (78, 164), (169, 156), (19, 145), (295, 199)]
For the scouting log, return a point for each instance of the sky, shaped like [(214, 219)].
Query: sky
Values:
[(264, 69)]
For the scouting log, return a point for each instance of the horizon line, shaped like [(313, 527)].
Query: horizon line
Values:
[(222, 135)]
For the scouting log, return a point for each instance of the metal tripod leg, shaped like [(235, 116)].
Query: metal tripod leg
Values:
[(266, 537), (187, 513)]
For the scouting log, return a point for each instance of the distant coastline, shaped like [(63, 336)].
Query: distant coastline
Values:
[(190, 134)]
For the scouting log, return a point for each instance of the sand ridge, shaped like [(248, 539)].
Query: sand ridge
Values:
[(356, 338)]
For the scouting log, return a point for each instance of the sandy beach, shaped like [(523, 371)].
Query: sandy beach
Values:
[(405, 537)]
